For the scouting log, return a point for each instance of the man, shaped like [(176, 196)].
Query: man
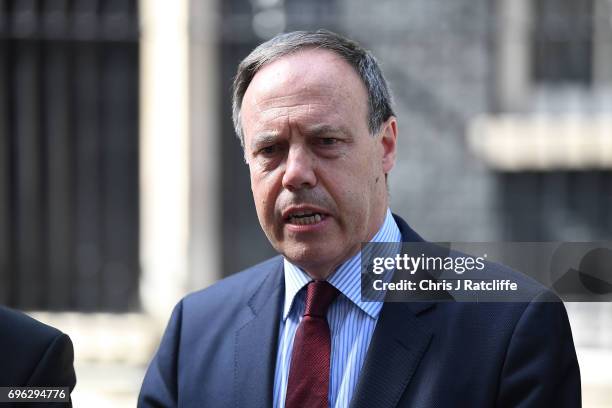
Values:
[(34, 355), (313, 113)]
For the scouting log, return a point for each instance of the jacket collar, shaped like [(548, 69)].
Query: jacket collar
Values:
[(257, 339), (398, 344)]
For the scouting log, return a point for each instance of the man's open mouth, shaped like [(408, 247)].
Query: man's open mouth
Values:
[(305, 218)]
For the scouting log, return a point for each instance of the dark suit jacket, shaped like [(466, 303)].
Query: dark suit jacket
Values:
[(33, 354), (219, 350)]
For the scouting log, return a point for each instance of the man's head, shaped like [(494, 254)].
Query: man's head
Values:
[(313, 113)]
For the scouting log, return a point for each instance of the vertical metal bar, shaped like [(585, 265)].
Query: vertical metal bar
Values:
[(607, 204), (29, 201), (88, 195), (554, 196), (536, 212), (59, 164), (521, 206), (88, 239), (583, 205), (592, 210), (5, 183), (120, 178), (120, 181)]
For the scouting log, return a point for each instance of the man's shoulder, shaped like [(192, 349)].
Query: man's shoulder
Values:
[(21, 326), (501, 311), (528, 289), (33, 352), (239, 287)]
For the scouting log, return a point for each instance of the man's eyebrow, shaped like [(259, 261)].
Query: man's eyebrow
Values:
[(318, 130), (264, 138)]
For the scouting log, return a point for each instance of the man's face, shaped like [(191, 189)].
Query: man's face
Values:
[(317, 174)]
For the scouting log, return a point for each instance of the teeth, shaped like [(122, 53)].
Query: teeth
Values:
[(300, 218)]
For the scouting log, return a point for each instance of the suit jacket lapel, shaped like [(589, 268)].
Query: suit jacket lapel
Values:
[(397, 346), (257, 343)]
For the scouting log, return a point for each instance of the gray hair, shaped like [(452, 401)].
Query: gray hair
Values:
[(379, 96)]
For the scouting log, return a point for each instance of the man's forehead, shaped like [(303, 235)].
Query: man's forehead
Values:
[(306, 58), (305, 88), (315, 70)]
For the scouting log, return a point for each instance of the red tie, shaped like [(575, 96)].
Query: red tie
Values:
[(308, 382)]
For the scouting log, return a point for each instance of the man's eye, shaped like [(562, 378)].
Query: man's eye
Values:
[(268, 150), (328, 141)]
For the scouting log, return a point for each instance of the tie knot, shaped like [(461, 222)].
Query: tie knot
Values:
[(319, 295)]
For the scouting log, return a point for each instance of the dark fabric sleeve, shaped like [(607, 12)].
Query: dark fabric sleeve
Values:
[(159, 388), (54, 369), (541, 368)]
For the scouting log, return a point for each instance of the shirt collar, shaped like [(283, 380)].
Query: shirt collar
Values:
[(346, 278)]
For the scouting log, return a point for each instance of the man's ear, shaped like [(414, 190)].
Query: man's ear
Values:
[(388, 140)]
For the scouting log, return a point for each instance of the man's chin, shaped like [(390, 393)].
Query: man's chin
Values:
[(309, 257), (302, 256)]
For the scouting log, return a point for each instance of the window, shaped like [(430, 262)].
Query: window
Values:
[(553, 55), (562, 41)]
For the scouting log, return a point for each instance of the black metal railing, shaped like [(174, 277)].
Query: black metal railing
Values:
[(69, 154)]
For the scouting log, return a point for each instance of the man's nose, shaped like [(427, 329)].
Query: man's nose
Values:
[(299, 170)]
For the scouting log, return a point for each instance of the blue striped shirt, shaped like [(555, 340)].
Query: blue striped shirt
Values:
[(351, 322)]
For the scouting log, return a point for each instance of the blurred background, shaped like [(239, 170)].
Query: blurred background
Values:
[(122, 184)]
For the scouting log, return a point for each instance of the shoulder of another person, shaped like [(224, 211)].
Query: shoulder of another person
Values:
[(28, 346), (21, 326)]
